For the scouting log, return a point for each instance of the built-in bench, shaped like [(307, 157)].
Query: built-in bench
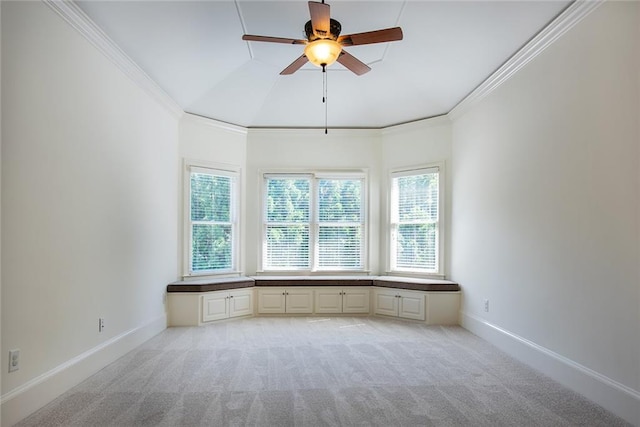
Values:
[(195, 302), (207, 285)]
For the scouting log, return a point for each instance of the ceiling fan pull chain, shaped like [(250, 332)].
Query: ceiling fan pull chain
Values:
[(324, 84), (324, 96)]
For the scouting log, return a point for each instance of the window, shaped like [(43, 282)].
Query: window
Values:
[(288, 223), (212, 226), (313, 222), (414, 225)]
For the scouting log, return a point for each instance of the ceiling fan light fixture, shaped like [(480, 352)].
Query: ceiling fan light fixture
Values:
[(323, 52)]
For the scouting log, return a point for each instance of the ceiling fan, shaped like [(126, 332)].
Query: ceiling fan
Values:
[(324, 44)]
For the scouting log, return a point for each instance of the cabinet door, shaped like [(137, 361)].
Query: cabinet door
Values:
[(215, 306), (240, 303), (328, 300), (299, 300), (271, 300), (355, 300), (385, 302), (411, 305)]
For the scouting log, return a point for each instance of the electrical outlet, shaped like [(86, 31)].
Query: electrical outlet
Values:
[(100, 324), (14, 360), (486, 306)]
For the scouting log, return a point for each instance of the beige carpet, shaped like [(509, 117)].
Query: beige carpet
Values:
[(315, 371)]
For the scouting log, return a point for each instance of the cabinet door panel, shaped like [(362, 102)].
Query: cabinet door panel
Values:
[(328, 301), (411, 306), (355, 301), (215, 307), (240, 303), (299, 301), (385, 302), (271, 301)]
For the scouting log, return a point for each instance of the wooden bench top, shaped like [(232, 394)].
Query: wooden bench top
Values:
[(220, 284)]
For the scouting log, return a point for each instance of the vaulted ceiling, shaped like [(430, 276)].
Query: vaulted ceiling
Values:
[(194, 51)]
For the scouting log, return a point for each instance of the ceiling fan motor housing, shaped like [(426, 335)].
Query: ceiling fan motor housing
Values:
[(334, 31)]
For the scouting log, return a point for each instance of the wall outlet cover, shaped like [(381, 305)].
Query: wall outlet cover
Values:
[(14, 360)]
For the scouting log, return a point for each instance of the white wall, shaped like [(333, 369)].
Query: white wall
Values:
[(546, 210), (416, 144), (217, 144), (89, 216), (269, 150)]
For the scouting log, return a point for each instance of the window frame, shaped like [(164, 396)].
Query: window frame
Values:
[(391, 226), (216, 169), (314, 177)]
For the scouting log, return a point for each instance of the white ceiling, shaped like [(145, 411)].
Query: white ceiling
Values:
[(193, 50)]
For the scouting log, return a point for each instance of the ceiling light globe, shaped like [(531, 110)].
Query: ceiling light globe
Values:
[(323, 52)]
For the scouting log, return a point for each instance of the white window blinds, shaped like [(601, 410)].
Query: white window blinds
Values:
[(287, 223), (340, 223), (415, 220), (211, 221), (313, 223)]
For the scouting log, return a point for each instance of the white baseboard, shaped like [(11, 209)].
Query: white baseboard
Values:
[(33, 395), (610, 394)]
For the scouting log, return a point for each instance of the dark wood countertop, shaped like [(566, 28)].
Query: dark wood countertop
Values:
[(221, 284), (207, 285), (313, 280), (416, 284)]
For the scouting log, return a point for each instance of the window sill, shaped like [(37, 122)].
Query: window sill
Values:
[(209, 275), (415, 275), (311, 274)]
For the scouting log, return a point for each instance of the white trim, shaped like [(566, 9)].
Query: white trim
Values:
[(314, 175), (402, 172), (205, 121), (610, 394), (39, 391), (235, 174), (75, 17), (433, 167), (572, 15), (318, 132), (416, 125)]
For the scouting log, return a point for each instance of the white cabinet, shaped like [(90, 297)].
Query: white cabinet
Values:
[(399, 303), (295, 300), (330, 300), (225, 304)]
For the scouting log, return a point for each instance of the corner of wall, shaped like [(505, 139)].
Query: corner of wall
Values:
[(612, 395), (31, 396)]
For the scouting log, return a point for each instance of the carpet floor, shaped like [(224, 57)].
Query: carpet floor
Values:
[(316, 371)]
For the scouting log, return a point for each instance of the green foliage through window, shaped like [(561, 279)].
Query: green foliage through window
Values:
[(414, 225), (332, 235), (211, 222)]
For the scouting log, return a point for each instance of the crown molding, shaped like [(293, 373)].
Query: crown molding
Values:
[(74, 16), (317, 132), (417, 125), (206, 121), (572, 15)]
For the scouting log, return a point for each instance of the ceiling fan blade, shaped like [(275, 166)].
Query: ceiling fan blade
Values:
[(269, 39), (295, 66), (353, 63), (320, 18), (370, 37)]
